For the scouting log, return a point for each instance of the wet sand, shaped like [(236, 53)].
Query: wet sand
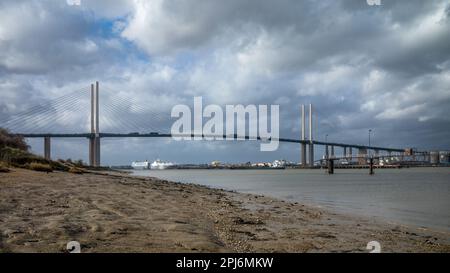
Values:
[(111, 212)]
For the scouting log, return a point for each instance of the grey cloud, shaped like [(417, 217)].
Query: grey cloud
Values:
[(305, 31), (385, 68), (52, 37)]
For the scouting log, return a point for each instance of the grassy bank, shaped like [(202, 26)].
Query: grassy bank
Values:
[(14, 153)]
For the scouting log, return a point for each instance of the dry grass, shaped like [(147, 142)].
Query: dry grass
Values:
[(39, 167), (23, 159), (3, 168), (76, 170), (14, 152)]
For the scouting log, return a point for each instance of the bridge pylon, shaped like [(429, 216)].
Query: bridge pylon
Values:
[(47, 148), (310, 143), (94, 139), (303, 144)]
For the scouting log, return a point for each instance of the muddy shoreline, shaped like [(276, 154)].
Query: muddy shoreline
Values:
[(113, 212)]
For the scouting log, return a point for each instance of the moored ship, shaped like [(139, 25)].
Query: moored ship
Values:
[(140, 164), (155, 165), (160, 165)]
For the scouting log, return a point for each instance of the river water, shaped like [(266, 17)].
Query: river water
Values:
[(414, 196)]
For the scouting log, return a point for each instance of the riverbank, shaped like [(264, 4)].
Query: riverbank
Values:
[(112, 212)]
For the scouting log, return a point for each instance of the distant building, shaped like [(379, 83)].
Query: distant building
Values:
[(444, 157), (362, 154), (434, 157), (409, 152), (261, 164)]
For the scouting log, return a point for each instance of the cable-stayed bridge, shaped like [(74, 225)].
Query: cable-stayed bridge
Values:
[(79, 114)]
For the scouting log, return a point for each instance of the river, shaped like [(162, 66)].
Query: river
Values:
[(414, 196)]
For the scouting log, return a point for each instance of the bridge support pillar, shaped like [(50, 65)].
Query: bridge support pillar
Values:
[(332, 151), (311, 155), (303, 155), (371, 172), (94, 151), (47, 148), (350, 153), (97, 152), (330, 165), (91, 152)]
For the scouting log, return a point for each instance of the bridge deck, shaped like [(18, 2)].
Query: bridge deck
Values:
[(158, 135)]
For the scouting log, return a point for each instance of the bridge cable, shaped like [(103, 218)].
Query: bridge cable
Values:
[(139, 107), (39, 108), (39, 119), (118, 106)]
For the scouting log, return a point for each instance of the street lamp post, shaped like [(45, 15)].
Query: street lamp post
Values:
[(370, 131)]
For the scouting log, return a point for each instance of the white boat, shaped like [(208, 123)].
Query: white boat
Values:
[(140, 164), (160, 165)]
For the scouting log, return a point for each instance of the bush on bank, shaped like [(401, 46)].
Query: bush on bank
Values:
[(12, 141)]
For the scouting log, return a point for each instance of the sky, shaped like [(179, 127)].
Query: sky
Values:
[(384, 68)]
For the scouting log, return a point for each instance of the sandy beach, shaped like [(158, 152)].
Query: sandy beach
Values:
[(113, 212)]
